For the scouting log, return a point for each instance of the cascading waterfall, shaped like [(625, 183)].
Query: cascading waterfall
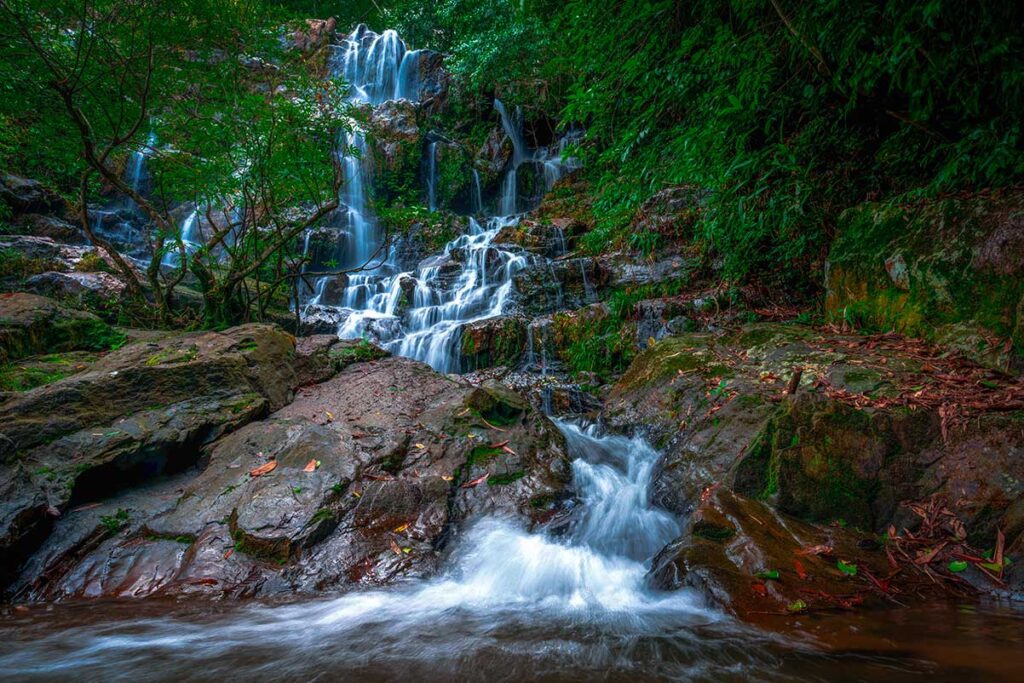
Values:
[(420, 313)]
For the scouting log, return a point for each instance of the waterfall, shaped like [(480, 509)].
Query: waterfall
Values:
[(191, 236), (478, 197), (431, 329), (432, 176), (420, 313)]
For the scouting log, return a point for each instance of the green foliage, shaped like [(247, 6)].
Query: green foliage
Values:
[(16, 264), (786, 112), (116, 521)]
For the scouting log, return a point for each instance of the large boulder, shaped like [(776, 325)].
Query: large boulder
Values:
[(140, 411), (362, 479), (32, 324), (871, 423), (24, 195), (951, 271)]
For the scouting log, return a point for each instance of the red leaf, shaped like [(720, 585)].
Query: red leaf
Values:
[(799, 567), (760, 589), (476, 482), (310, 466), (263, 469)]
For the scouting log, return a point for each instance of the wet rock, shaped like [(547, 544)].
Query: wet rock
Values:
[(320, 357), (551, 239), (395, 137), (432, 81), (83, 287), (137, 412), (754, 562), (334, 290), (625, 269), (373, 472), (32, 324), (492, 342), (844, 448), (672, 213), (315, 36), (949, 271), (52, 227), (24, 195), (319, 319), (549, 286)]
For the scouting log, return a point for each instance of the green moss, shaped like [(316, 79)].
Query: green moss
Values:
[(173, 356), (505, 479), (482, 455)]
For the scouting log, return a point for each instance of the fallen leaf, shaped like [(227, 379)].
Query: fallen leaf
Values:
[(263, 469), (815, 550), (956, 566), (799, 567), (797, 606), (406, 550), (395, 548), (420, 446), (229, 553), (311, 466), (476, 482), (501, 444), (447, 478), (400, 529), (759, 588), (768, 575)]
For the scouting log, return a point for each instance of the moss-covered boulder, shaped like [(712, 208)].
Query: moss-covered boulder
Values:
[(133, 414), (951, 271), (31, 325), (493, 342), (871, 425)]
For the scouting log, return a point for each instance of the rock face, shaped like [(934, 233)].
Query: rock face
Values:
[(134, 414), (872, 425), (950, 271), (29, 196), (493, 342), (362, 479)]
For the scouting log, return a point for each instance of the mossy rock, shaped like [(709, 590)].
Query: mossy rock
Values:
[(31, 325), (951, 271)]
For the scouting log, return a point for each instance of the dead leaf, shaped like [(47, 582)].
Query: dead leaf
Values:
[(815, 550), (476, 482), (395, 548), (400, 529), (800, 571), (311, 465), (263, 469)]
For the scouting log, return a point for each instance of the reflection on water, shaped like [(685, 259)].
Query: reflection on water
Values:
[(395, 635)]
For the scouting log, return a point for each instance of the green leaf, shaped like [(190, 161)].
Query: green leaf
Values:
[(768, 574), (956, 566), (848, 569), (798, 606)]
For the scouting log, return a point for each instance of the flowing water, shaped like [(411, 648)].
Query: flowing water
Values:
[(421, 312), (513, 605)]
